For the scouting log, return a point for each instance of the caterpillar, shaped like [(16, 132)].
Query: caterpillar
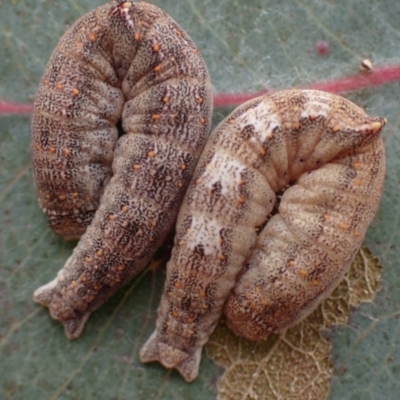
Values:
[(127, 62), (323, 156)]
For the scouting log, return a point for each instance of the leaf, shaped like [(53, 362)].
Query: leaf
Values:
[(247, 46), (294, 364)]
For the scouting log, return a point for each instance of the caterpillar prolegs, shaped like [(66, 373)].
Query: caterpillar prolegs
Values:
[(127, 62), (266, 273)]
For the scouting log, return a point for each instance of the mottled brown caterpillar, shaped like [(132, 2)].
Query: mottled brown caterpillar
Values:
[(330, 155), (122, 61)]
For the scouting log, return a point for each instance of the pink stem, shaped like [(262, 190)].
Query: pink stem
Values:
[(14, 108), (378, 76)]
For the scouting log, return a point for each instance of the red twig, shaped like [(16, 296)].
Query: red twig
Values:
[(378, 76), (14, 108)]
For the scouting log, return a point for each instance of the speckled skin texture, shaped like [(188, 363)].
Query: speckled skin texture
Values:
[(330, 155), (127, 62)]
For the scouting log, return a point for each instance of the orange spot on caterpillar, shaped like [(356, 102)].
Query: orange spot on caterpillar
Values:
[(155, 117), (240, 200), (150, 154), (135, 166), (357, 182), (269, 135), (99, 253), (156, 47), (136, 36), (343, 225), (75, 92), (157, 68)]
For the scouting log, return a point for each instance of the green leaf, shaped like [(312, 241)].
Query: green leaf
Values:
[(248, 46)]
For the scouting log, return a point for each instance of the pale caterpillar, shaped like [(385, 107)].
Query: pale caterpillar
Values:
[(122, 61), (330, 154)]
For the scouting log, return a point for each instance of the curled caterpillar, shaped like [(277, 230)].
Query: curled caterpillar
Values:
[(122, 61), (330, 155)]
